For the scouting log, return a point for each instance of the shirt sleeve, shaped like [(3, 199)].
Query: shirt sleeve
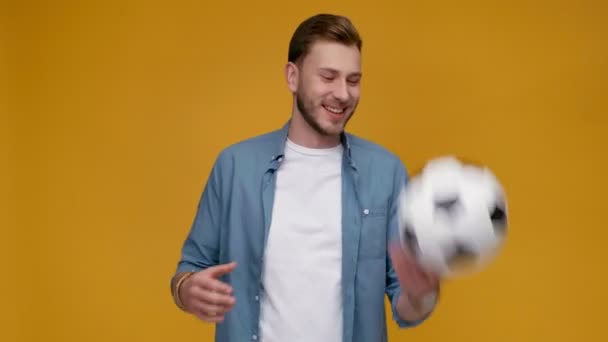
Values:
[(393, 288), (200, 250)]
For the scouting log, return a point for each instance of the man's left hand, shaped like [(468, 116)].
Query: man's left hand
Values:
[(417, 284)]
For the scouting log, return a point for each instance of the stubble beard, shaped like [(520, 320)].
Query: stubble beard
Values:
[(306, 112)]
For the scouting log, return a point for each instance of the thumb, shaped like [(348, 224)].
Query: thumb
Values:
[(219, 270)]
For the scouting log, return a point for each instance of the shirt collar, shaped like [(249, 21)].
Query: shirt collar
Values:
[(279, 146)]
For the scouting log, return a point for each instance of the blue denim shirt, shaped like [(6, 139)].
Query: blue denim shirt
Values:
[(234, 215)]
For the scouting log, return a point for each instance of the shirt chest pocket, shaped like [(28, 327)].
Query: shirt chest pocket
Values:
[(373, 233)]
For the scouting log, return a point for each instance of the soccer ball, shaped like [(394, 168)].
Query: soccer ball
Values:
[(453, 217)]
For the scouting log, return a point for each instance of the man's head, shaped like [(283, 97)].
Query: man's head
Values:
[(323, 72)]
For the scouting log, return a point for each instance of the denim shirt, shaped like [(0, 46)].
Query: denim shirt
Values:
[(234, 215)]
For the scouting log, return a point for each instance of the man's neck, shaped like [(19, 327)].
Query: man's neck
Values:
[(301, 133)]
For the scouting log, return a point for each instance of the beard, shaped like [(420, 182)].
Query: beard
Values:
[(307, 107)]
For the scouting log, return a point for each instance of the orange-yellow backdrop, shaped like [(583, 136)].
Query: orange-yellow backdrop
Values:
[(116, 110)]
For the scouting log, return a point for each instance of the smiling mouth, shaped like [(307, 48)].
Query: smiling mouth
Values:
[(335, 110)]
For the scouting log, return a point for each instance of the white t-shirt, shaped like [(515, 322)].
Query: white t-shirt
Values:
[(302, 298)]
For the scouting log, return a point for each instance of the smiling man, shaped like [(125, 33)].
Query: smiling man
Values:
[(326, 86), (291, 240)]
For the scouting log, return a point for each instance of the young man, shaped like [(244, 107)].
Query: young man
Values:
[(292, 234)]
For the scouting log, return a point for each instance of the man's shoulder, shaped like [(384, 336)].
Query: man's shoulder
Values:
[(263, 142), (254, 146), (369, 150)]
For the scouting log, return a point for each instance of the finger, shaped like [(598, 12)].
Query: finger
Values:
[(415, 268), (209, 309), (216, 298), (209, 318), (212, 309), (403, 255), (200, 294), (421, 276), (215, 285), (219, 270), (420, 273), (424, 282), (409, 273), (426, 274), (433, 279), (427, 277), (206, 283)]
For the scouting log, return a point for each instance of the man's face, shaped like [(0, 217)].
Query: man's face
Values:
[(328, 86)]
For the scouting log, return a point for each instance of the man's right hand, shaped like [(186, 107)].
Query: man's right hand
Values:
[(206, 297)]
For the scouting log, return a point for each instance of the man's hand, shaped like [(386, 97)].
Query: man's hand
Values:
[(416, 284), (206, 297)]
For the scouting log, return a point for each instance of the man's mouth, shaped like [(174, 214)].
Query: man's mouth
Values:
[(335, 110)]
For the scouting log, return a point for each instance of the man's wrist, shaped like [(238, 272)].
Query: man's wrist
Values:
[(179, 281)]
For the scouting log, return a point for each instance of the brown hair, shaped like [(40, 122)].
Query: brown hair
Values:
[(328, 27)]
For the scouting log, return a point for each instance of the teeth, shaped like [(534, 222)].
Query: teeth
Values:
[(335, 110)]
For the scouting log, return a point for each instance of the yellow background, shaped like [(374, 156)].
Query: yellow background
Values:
[(116, 110)]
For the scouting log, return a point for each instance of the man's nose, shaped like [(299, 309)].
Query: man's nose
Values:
[(341, 91)]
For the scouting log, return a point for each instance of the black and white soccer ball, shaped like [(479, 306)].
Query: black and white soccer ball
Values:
[(453, 217)]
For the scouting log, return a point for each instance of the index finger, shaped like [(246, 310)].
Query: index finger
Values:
[(219, 270), (215, 285)]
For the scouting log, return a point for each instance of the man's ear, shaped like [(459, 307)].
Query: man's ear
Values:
[(292, 74)]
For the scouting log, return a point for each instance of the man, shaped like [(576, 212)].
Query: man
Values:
[(291, 238)]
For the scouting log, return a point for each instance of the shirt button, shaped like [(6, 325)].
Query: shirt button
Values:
[(257, 298), (365, 211), (254, 337), (280, 159)]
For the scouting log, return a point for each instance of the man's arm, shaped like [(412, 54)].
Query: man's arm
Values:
[(419, 296), (201, 247), (409, 308)]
